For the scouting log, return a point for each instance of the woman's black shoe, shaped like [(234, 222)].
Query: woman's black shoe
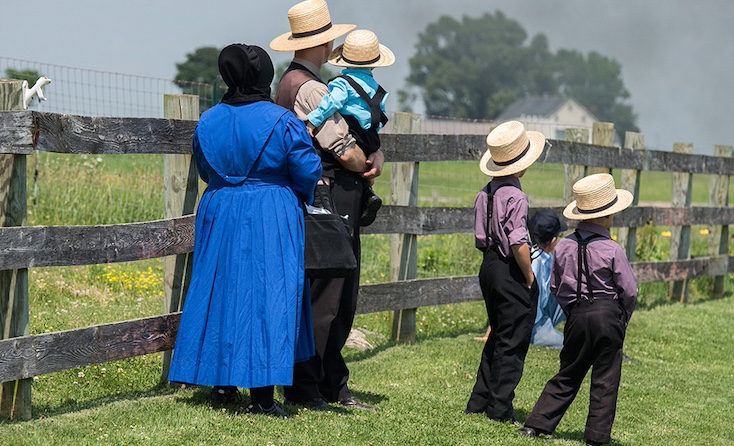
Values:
[(222, 395)]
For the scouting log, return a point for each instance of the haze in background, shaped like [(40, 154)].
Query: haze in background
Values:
[(676, 56)]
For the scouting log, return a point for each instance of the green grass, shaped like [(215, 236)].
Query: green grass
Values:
[(677, 392)]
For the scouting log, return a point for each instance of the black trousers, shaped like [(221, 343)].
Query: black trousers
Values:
[(333, 302), (511, 308), (593, 338)]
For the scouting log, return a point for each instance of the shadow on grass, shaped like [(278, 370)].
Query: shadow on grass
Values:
[(579, 436), (71, 405), (200, 397)]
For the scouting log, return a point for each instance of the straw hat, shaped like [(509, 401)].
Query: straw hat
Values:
[(596, 197), (310, 27), (511, 149), (361, 50)]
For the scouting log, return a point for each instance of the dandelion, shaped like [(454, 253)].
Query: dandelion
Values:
[(704, 232), (665, 234), (80, 374)]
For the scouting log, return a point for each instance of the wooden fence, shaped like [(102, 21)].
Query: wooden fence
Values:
[(21, 132)]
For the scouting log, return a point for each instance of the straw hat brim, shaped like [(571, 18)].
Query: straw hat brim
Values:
[(624, 200), (287, 43), (386, 59), (488, 166)]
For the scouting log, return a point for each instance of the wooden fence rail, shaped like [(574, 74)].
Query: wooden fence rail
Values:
[(22, 247)]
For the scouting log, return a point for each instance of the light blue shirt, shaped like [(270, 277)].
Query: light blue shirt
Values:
[(343, 99), (549, 313)]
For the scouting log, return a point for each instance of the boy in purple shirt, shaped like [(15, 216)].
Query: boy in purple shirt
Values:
[(597, 289), (506, 277)]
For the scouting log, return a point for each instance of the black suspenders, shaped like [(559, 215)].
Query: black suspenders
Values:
[(490, 205), (583, 265), (378, 117)]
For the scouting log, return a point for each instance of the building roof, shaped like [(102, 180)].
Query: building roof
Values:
[(540, 106)]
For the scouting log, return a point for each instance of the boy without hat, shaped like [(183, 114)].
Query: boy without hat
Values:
[(545, 227), (597, 289)]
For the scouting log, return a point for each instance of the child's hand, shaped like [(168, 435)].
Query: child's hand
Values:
[(311, 129)]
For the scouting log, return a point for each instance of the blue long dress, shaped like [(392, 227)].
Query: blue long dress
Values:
[(245, 320)]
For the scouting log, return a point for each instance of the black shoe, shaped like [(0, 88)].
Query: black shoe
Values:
[(354, 403), (528, 432), (222, 395), (272, 411), (372, 204), (315, 403)]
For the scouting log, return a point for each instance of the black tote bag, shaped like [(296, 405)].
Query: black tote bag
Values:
[(328, 247)]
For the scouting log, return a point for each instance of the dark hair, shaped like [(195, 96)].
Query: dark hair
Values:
[(544, 224)]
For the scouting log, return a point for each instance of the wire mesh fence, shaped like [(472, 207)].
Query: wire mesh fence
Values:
[(108, 189)]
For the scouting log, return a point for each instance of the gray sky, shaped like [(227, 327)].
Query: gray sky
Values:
[(677, 56)]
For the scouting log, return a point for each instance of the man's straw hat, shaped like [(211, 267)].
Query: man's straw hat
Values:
[(310, 27), (596, 197), (361, 50), (511, 149)]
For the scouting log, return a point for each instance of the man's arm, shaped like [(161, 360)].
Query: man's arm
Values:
[(333, 135)]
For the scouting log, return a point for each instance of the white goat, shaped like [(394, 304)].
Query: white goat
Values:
[(36, 89)]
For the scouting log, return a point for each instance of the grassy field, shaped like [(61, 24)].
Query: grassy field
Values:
[(676, 392)]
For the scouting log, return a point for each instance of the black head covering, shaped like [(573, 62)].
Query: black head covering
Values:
[(248, 72)]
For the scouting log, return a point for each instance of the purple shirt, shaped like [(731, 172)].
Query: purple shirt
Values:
[(509, 216), (611, 273)]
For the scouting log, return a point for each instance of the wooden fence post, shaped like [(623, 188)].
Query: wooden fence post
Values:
[(602, 135), (573, 173), (404, 247), (630, 180), (680, 236), (180, 189), (719, 235), (15, 396)]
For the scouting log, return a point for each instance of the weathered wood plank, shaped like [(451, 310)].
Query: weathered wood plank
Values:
[(95, 135), (29, 356), (602, 134), (180, 192), (33, 246), (680, 238), (404, 247), (15, 397), (573, 172), (718, 242), (101, 135), (420, 148), (16, 132), (630, 180)]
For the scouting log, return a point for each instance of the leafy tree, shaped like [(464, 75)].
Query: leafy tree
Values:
[(477, 67), (199, 75), (596, 82), (24, 75)]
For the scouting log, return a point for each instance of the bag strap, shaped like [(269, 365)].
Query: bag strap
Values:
[(377, 115), (583, 264)]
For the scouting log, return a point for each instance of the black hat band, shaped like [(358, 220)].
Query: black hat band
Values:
[(599, 209), (312, 33)]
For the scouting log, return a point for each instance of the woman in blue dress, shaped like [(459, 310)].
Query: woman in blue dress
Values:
[(246, 319)]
